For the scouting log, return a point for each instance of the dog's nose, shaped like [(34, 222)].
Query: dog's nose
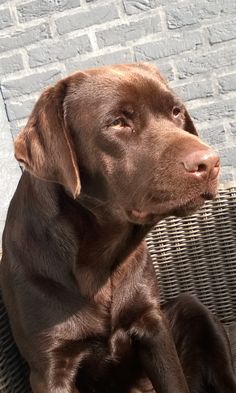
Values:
[(203, 163)]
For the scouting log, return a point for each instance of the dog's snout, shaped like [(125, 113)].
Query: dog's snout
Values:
[(203, 163)]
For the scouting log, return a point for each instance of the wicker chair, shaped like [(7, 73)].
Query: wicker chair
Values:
[(196, 254)]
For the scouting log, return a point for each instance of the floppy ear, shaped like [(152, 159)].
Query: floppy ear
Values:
[(45, 146), (188, 124)]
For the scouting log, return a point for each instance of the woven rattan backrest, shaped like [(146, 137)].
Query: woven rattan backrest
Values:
[(13, 370), (197, 254)]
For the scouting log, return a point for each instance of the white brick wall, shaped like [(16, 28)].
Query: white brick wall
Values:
[(192, 41)]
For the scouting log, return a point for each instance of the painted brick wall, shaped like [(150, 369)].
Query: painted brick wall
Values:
[(192, 41), (9, 169)]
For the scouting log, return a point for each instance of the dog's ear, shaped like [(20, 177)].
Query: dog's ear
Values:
[(188, 123), (45, 146)]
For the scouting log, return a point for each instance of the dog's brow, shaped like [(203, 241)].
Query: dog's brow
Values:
[(162, 85), (116, 72)]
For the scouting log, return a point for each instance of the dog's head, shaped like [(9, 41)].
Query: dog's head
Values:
[(118, 138)]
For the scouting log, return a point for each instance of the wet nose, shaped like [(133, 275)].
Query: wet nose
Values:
[(203, 163)]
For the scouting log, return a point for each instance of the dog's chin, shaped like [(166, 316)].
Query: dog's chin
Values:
[(181, 209), (192, 206), (188, 208)]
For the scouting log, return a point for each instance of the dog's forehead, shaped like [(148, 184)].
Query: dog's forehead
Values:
[(115, 88), (128, 74), (111, 85)]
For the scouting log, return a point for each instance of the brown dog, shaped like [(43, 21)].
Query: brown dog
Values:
[(108, 153)]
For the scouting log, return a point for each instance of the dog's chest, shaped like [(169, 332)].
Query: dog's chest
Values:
[(97, 320), (99, 326), (109, 343)]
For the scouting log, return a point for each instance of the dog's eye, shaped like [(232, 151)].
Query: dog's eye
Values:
[(119, 123), (176, 111)]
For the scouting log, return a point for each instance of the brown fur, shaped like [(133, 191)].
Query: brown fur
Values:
[(106, 158)]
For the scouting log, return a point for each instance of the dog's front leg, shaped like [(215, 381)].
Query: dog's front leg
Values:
[(40, 385), (157, 353), (56, 373)]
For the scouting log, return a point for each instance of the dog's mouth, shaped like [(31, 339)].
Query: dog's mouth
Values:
[(180, 209), (192, 206)]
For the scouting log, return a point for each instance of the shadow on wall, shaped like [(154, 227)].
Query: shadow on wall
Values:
[(9, 169)]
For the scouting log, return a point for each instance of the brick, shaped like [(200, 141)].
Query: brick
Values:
[(233, 173), (128, 32), (214, 111), (227, 83), (58, 51), (11, 64), (6, 144), (109, 58), (197, 64), (213, 135), (132, 7), (226, 174), (194, 90), (222, 32), (40, 8), (232, 127), (9, 175), (228, 156), (167, 47), (19, 110), (16, 126), (80, 20), (227, 7), (166, 69), (6, 19), (136, 6), (29, 84), (23, 37), (190, 14)]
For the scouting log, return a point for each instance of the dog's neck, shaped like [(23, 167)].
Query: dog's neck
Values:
[(101, 239)]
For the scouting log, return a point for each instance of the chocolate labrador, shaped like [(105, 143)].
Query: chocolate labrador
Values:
[(108, 153)]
